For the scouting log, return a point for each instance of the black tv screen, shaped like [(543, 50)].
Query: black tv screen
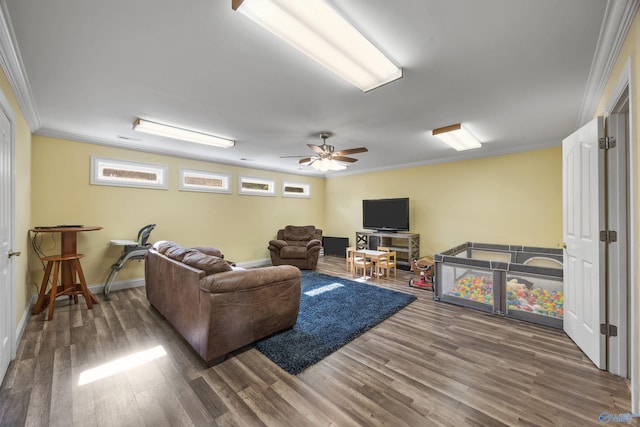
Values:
[(386, 214)]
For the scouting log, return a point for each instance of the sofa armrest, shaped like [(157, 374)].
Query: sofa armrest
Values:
[(313, 243), (277, 244), (239, 280)]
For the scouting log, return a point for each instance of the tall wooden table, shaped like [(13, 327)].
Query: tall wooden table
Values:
[(68, 246)]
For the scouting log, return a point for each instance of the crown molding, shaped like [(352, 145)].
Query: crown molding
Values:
[(12, 65), (172, 152), (461, 156), (619, 15)]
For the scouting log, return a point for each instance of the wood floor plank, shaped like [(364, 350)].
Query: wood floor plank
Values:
[(345, 392), (429, 364), (14, 407), (20, 376), (116, 404), (269, 411), (160, 407), (29, 345), (84, 397), (40, 398), (214, 405), (375, 387), (61, 412), (239, 412), (316, 410)]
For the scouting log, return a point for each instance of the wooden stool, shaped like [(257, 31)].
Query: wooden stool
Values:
[(71, 262)]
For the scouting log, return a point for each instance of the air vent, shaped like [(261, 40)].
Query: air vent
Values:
[(128, 138)]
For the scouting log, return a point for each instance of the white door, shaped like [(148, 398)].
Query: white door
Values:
[(583, 219), (6, 204)]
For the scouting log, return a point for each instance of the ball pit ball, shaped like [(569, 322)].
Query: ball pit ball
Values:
[(536, 300), (479, 287), (475, 288)]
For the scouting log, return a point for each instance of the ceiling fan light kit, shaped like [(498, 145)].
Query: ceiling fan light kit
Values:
[(327, 159), (173, 132), (457, 137), (319, 31), (324, 165)]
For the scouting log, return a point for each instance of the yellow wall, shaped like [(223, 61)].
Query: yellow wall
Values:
[(630, 52), (240, 226), (22, 198), (514, 199), (511, 199)]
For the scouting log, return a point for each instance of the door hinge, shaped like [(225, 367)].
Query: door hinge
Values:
[(608, 236), (607, 142), (608, 330)]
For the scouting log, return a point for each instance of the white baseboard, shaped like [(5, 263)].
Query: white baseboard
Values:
[(117, 286), (22, 325)]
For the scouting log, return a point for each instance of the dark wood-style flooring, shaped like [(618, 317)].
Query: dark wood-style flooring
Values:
[(430, 364)]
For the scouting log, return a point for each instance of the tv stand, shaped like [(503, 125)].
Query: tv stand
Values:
[(406, 245)]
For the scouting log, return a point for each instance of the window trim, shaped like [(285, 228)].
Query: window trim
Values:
[(184, 172), (100, 163), (306, 194), (270, 182)]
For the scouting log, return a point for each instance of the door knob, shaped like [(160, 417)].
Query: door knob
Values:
[(12, 253)]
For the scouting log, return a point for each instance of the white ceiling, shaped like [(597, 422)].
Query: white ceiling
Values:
[(515, 72)]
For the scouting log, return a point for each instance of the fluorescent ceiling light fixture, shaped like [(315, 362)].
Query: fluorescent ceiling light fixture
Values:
[(182, 134), (457, 137), (319, 31)]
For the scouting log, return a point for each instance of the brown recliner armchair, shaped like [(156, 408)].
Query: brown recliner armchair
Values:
[(297, 245)]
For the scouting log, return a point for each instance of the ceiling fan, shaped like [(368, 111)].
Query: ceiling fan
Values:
[(326, 158)]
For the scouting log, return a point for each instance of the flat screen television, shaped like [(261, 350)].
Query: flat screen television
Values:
[(386, 214)]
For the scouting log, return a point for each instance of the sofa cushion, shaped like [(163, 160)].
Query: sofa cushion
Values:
[(293, 252), (205, 259), (172, 250), (178, 253), (209, 263), (162, 245), (295, 232), (209, 251)]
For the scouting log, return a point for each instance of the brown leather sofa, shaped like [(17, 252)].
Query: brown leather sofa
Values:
[(297, 245), (215, 308)]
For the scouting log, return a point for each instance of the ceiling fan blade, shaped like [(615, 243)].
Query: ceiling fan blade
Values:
[(344, 159), (307, 160), (316, 148), (351, 151)]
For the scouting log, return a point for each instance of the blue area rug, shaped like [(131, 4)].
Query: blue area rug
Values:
[(333, 312)]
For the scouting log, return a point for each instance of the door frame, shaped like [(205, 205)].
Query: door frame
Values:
[(625, 85), (617, 170), (6, 108)]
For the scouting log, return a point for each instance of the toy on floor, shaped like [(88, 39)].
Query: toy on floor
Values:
[(424, 269)]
